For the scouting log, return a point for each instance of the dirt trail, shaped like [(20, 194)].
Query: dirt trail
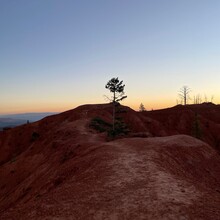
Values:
[(86, 134), (146, 186)]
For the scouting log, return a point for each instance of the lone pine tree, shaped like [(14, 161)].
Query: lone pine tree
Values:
[(142, 108), (117, 88)]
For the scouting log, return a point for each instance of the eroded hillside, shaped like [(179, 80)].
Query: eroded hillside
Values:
[(61, 168), (201, 121)]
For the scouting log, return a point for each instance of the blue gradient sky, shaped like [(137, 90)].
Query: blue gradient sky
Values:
[(58, 54)]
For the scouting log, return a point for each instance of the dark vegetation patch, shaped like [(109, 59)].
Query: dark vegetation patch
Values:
[(121, 129), (100, 125), (67, 155), (35, 135), (58, 181), (196, 128), (7, 128)]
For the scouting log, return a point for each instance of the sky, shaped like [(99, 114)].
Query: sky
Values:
[(58, 54)]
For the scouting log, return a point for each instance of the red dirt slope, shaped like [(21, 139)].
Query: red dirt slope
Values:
[(59, 168), (181, 120)]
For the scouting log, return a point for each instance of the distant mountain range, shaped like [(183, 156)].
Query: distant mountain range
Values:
[(13, 120)]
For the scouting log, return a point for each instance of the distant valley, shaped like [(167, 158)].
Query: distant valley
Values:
[(13, 120)]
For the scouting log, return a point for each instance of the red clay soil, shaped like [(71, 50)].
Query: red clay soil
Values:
[(181, 120), (60, 168)]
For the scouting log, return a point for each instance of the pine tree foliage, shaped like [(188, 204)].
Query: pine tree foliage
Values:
[(142, 108), (117, 88)]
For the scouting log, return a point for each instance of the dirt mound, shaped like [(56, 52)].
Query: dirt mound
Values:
[(61, 168)]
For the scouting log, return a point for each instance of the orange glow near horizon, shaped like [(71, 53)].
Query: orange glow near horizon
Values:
[(153, 103), (65, 107), (36, 108)]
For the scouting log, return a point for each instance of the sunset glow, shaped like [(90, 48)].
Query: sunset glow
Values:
[(56, 55)]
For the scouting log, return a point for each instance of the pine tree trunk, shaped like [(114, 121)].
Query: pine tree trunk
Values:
[(113, 124)]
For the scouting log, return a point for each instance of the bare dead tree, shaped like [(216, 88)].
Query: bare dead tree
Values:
[(184, 94), (205, 98), (197, 99)]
